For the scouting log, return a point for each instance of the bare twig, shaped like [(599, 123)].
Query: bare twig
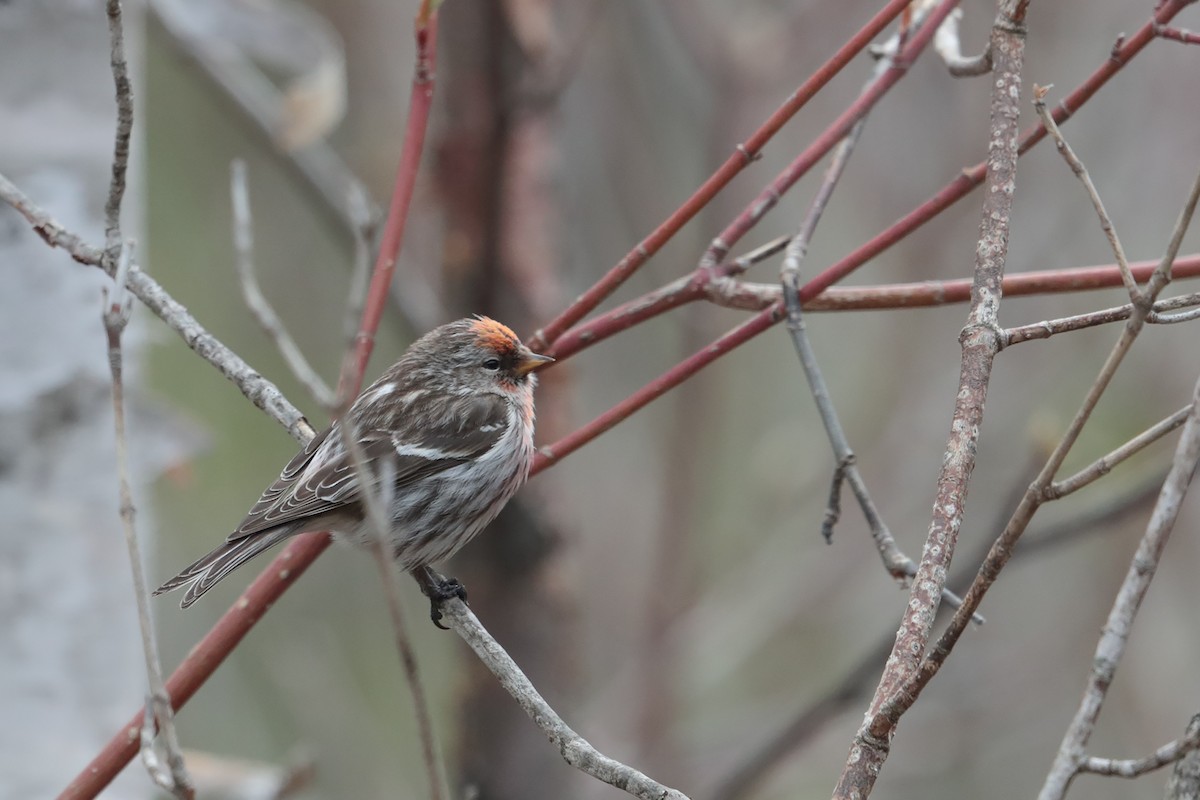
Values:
[(898, 565), (946, 43), (575, 750), (1169, 753), (376, 491), (720, 289), (360, 272), (833, 505), (744, 262), (120, 162), (1181, 35), (1084, 524), (256, 301), (118, 256), (1155, 317), (1114, 241), (1103, 465), (172, 776), (1111, 646), (1050, 327), (980, 343)]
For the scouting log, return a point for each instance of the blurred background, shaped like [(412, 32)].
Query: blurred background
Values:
[(666, 587)]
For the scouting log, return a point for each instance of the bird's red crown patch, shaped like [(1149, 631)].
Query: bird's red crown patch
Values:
[(495, 336)]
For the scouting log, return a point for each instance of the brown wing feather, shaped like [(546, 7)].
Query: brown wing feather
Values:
[(302, 491)]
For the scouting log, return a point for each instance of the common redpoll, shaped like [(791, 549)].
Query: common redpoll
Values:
[(449, 426)]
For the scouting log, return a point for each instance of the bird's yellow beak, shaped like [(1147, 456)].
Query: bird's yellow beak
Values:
[(531, 361)]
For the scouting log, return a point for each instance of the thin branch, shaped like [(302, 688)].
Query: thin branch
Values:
[(979, 343), (1103, 465), (1111, 646), (575, 750), (947, 45), (833, 504), (256, 301), (897, 563), (761, 253), (1181, 35), (172, 776), (1081, 525), (754, 296), (1051, 327), (120, 161), (927, 294), (1076, 165), (1169, 753), (420, 103), (1170, 319), (722, 290), (360, 272), (118, 256), (376, 491)]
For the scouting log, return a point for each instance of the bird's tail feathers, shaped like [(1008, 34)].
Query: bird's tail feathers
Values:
[(207, 571)]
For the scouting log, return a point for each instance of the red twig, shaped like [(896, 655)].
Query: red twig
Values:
[(208, 654), (920, 294), (657, 387), (1016, 284), (1182, 35), (742, 156), (649, 305)]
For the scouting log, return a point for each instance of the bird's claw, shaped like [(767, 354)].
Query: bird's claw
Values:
[(439, 590)]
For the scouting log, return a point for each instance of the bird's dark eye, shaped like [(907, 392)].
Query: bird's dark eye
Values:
[(492, 364)]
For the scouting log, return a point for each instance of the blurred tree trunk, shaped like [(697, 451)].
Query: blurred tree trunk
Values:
[(72, 659), (495, 165)]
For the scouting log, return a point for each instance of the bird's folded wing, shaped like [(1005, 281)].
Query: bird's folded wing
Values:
[(322, 478)]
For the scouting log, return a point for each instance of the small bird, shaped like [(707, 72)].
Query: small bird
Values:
[(449, 426)]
